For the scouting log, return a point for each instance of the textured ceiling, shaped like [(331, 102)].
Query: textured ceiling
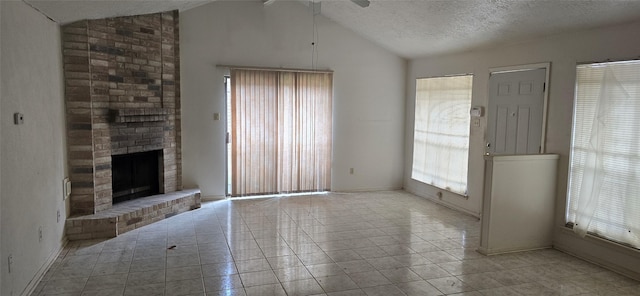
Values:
[(426, 27), (67, 11), (409, 28)]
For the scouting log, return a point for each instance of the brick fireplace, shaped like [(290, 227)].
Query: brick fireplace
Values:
[(122, 84)]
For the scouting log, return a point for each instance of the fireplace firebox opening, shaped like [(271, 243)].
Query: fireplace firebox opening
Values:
[(135, 175)]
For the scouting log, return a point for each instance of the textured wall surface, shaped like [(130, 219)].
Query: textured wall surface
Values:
[(33, 153), (368, 88)]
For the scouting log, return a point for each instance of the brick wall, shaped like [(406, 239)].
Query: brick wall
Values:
[(122, 83)]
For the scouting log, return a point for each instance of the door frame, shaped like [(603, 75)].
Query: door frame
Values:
[(545, 102), (227, 178)]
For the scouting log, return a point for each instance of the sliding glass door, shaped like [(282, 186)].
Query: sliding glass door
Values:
[(280, 132)]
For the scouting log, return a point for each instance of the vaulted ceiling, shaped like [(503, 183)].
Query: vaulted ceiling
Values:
[(409, 28), (68, 11)]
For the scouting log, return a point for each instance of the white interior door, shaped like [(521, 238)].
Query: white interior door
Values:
[(515, 113)]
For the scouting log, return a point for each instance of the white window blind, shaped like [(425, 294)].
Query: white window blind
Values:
[(441, 132), (281, 124), (604, 178)]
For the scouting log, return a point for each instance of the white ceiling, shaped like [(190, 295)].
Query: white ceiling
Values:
[(426, 27), (68, 11), (410, 28)]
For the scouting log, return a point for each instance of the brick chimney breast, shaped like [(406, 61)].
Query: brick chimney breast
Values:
[(122, 88)]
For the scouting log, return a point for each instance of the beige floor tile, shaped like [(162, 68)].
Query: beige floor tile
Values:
[(336, 283), (146, 277), (400, 275), (221, 283), (369, 279), (183, 260), (421, 288), (253, 265), (293, 274), (230, 292), (184, 273), (356, 266), (266, 290), (147, 264), (285, 261), (146, 290), (355, 292), (218, 269), (328, 269), (103, 282), (302, 287), (387, 290), (373, 243), (60, 286), (184, 287), (258, 278), (430, 271), (450, 285)]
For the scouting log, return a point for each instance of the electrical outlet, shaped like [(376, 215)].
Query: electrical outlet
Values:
[(10, 261), (351, 171), (18, 118), (40, 234), (58, 216)]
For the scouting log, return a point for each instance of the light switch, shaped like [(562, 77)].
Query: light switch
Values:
[(66, 188), (216, 116)]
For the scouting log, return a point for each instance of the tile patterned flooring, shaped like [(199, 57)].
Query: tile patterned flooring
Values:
[(379, 243)]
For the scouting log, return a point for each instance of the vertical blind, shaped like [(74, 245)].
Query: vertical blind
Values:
[(281, 131), (604, 177), (441, 132)]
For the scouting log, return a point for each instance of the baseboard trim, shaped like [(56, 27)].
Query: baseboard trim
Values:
[(31, 287), (492, 252), (614, 257), (213, 198), (445, 204)]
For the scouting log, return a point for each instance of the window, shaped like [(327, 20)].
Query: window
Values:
[(441, 132), (280, 131), (604, 177)]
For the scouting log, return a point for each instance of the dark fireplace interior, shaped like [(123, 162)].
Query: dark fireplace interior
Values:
[(135, 175)]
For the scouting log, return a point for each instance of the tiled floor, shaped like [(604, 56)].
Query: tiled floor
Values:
[(384, 243)]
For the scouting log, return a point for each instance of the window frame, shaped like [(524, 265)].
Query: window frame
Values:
[(569, 225), (468, 136)]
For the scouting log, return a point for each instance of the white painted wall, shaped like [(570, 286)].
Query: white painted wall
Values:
[(368, 88), (519, 189), (33, 155), (564, 52)]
